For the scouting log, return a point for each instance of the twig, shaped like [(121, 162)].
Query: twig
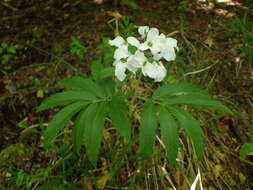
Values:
[(201, 70)]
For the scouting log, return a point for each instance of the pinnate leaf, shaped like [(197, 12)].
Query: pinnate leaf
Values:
[(188, 94), (60, 120), (118, 112), (177, 89), (169, 133), (82, 84), (65, 98), (191, 127), (148, 126), (78, 131), (194, 99), (93, 133)]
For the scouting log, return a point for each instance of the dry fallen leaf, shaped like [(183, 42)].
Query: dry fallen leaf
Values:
[(115, 14), (209, 41), (97, 1), (101, 182)]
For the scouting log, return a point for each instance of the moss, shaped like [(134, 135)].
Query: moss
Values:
[(15, 155)]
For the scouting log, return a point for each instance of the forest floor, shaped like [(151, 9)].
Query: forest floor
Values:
[(214, 53)]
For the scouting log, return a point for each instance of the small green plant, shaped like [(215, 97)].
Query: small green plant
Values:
[(101, 100), (184, 6), (235, 26), (27, 181), (7, 54), (246, 150), (77, 48), (247, 48), (244, 28), (130, 3), (126, 26)]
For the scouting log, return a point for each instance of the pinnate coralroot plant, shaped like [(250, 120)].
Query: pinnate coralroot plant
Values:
[(90, 100)]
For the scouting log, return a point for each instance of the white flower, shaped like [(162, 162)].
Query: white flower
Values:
[(120, 69), (121, 52), (151, 41), (149, 70), (122, 49), (128, 58), (136, 61), (132, 63), (159, 45), (118, 41), (143, 30), (133, 41), (161, 72), (122, 46), (155, 71), (168, 50)]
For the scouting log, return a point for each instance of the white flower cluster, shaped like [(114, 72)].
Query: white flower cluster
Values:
[(155, 46)]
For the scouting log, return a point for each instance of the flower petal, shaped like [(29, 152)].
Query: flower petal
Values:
[(160, 72), (121, 52), (136, 61), (133, 41), (144, 46), (118, 41), (172, 42), (169, 55), (149, 70), (153, 33), (157, 56), (120, 69), (143, 30), (155, 71)]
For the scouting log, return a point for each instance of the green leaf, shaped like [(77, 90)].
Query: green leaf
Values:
[(131, 3), (169, 133), (188, 94), (79, 129), (194, 99), (94, 125), (148, 126), (246, 149), (99, 72), (107, 52), (177, 89), (118, 112), (11, 50), (108, 86), (4, 45), (82, 84), (105, 73), (191, 127), (60, 120), (96, 68), (65, 98), (132, 49)]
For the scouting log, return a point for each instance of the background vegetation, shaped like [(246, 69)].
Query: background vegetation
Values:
[(43, 42)]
